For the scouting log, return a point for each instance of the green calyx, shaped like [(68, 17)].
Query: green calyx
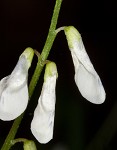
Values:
[(28, 53), (72, 35), (50, 70), (29, 145)]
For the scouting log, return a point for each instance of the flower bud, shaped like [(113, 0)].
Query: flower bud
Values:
[(14, 90), (86, 78), (43, 121)]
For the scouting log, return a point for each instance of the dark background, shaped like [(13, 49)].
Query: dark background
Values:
[(79, 124)]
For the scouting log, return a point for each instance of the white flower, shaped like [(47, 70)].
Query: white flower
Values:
[(86, 77), (43, 121), (14, 90)]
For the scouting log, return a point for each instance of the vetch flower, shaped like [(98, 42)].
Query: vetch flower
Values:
[(86, 77), (14, 90), (43, 121)]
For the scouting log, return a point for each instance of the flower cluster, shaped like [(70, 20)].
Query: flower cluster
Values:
[(14, 89)]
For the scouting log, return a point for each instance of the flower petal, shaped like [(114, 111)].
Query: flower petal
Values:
[(89, 85), (14, 91), (86, 77), (43, 121)]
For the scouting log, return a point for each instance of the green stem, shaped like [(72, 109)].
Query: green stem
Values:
[(47, 47), (19, 140), (45, 52)]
